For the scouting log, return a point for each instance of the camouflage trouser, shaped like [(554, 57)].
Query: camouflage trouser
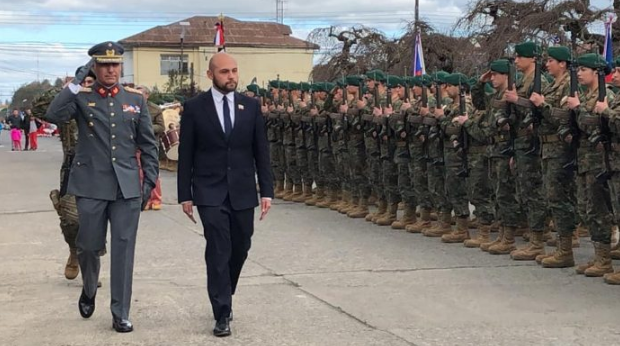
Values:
[(418, 175), (327, 170), (277, 164), (456, 191), (293, 173), (436, 187), (405, 186), (580, 184), (614, 193), (560, 187), (67, 211), (530, 182), (508, 208), (390, 181), (341, 168), (313, 168), (375, 176), (302, 163), (481, 188), (599, 216), (358, 169)]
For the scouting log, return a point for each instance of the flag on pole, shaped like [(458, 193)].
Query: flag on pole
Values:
[(608, 52), (418, 68), (219, 40)]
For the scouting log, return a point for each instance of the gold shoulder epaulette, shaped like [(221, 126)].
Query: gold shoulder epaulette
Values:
[(132, 90), (85, 90)]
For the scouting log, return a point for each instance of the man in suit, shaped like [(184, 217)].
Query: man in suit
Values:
[(222, 146), (112, 122)]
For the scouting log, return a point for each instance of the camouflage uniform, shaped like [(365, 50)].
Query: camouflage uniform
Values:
[(326, 157), (293, 172), (64, 204), (360, 188)]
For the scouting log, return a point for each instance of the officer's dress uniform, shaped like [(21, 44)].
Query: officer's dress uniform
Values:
[(113, 123)]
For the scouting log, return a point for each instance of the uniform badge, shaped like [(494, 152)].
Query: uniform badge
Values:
[(241, 107), (131, 108), (92, 104)]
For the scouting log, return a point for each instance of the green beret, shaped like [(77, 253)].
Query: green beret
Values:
[(426, 80), (304, 86), (527, 49), (276, 84), (439, 77), (355, 80), (500, 66), (341, 82), (328, 86), (473, 81), (617, 62), (559, 53), (253, 88), (263, 92), (457, 79), (376, 75), (393, 81), (293, 86), (592, 60)]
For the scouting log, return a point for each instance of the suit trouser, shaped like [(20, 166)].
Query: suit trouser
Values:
[(229, 236), (123, 216)]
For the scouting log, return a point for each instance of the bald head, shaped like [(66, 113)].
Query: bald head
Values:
[(223, 72)]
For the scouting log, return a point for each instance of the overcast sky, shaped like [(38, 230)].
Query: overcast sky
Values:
[(49, 38)]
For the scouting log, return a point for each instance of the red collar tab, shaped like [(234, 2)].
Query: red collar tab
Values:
[(105, 92)]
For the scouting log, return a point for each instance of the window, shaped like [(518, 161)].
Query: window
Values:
[(171, 63)]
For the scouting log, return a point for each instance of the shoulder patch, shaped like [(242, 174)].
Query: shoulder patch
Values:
[(132, 90), (85, 90)]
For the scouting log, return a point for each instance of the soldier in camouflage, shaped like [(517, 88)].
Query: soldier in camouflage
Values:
[(274, 136)]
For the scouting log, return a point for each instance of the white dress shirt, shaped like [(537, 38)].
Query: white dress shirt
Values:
[(218, 99)]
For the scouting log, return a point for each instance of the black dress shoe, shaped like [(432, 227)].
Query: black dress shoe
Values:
[(222, 327), (86, 305), (121, 325)]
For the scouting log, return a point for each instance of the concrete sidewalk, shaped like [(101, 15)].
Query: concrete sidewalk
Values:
[(314, 277)]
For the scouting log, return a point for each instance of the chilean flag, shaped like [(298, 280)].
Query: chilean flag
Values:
[(219, 35), (608, 52), (417, 65)]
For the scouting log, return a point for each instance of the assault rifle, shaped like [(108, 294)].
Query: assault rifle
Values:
[(509, 150), (573, 126), (605, 132), (464, 137)]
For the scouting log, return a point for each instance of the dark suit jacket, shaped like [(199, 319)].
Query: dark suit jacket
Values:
[(210, 167)]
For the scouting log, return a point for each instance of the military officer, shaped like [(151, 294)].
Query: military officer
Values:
[(112, 122)]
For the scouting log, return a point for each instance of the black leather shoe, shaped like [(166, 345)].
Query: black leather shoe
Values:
[(86, 305), (222, 327), (121, 325)]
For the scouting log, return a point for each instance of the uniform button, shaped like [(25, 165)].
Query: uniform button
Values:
[(113, 125), (113, 136), (111, 103), (111, 114), (91, 124), (131, 136), (78, 164), (109, 94), (113, 147), (90, 115), (114, 159)]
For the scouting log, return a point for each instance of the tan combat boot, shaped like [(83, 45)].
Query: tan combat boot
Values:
[(444, 226), (582, 230), (495, 227), (351, 204), (460, 234), (388, 217), (72, 268), (279, 191), (612, 278), (340, 200), (530, 251), (308, 193), (408, 218), (602, 261), (474, 223), (288, 192), (563, 256), (361, 211), (328, 199), (298, 195), (422, 223), (486, 246), (506, 245), (382, 210), (483, 235), (319, 197), (615, 252)]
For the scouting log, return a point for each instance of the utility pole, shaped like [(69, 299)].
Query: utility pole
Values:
[(280, 11), (181, 70), (417, 16)]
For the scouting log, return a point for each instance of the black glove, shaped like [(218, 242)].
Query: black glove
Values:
[(146, 194), (82, 72)]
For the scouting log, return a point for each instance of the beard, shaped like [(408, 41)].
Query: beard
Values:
[(226, 87)]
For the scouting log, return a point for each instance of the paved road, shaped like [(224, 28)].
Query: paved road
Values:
[(314, 277)]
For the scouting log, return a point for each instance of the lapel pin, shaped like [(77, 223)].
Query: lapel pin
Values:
[(241, 107)]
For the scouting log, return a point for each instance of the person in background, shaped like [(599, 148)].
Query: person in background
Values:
[(33, 132), (16, 137)]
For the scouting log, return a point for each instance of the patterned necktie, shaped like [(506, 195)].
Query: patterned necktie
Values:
[(227, 121)]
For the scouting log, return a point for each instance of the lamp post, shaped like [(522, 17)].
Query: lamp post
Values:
[(181, 72)]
